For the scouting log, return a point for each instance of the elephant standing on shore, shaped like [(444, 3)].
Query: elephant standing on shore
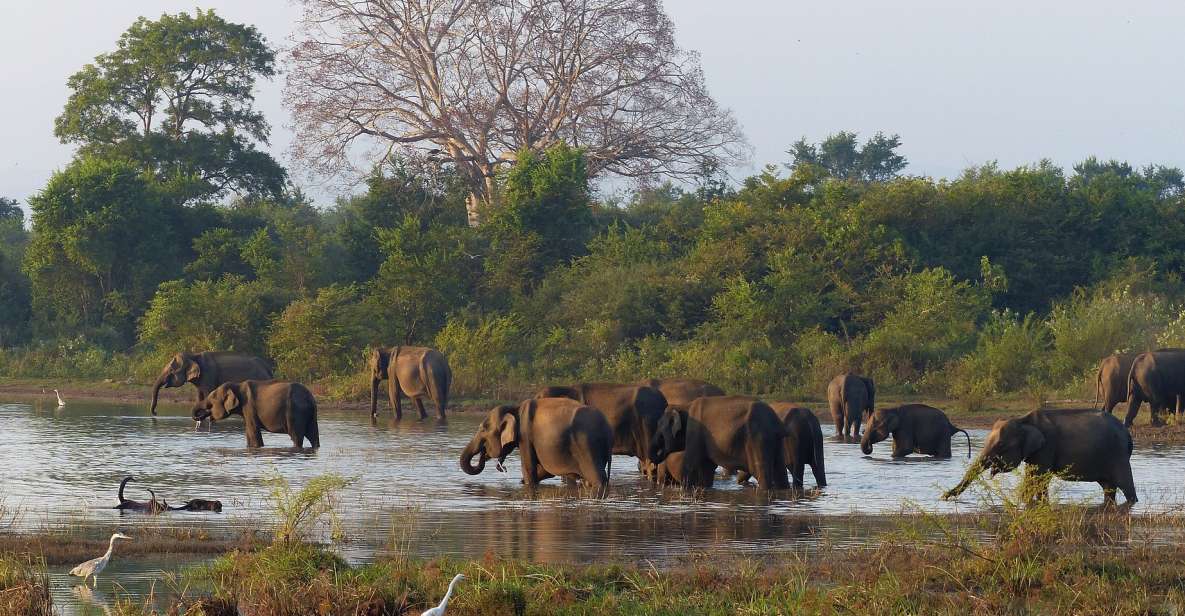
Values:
[(1110, 383), (736, 432), (1157, 377), (915, 428), (1077, 444), (849, 396), (208, 370), (632, 412), (556, 437), (682, 392), (415, 372), (275, 406), (803, 444)]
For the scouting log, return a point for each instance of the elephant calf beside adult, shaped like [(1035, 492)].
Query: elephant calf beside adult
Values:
[(915, 428), (1077, 444), (736, 432), (208, 370), (273, 406), (556, 437), (415, 372), (850, 396), (803, 444)]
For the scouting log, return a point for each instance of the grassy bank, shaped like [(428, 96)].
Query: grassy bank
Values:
[(1064, 559)]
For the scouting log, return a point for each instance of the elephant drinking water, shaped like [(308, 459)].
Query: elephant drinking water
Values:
[(208, 370)]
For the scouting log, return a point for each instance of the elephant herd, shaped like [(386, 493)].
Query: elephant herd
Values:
[(682, 430)]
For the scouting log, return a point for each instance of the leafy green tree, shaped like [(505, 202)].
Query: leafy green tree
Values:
[(176, 97), (229, 314), (103, 237), (15, 308), (842, 157), (316, 336)]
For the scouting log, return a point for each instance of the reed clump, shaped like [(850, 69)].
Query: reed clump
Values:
[(24, 588)]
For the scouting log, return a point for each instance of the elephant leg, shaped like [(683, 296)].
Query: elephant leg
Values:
[(1108, 493), (419, 402), (944, 448), (1154, 409), (902, 447), (797, 471), (1127, 485), (395, 395)]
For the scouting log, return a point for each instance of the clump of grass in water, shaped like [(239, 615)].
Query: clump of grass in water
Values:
[(298, 512), (24, 588)]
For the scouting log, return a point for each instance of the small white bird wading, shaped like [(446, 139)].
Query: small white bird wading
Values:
[(93, 567), (61, 402), (439, 610)]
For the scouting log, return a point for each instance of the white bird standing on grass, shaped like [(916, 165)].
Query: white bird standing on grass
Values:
[(61, 402), (439, 610), (93, 567)]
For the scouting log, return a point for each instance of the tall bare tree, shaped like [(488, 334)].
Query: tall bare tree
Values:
[(471, 82)]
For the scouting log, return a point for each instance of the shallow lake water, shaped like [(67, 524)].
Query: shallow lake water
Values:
[(62, 467)]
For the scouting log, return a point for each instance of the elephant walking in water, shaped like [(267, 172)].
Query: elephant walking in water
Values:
[(415, 372), (850, 396), (735, 432), (915, 428), (208, 370), (273, 406), (1078, 444), (632, 412), (556, 437)]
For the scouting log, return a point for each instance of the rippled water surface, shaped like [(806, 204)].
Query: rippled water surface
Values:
[(63, 466)]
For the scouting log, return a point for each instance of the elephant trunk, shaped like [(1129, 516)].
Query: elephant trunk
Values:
[(973, 471), (866, 443), (374, 396), (474, 448), (160, 382)]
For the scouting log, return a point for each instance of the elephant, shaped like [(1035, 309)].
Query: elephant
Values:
[(416, 372), (803, 444), (209, 370), (1159, 378), (683, 391), (556, 437), (915, 428), (1111, 380), (279, 407), (850, 396), (736, 432), (670, 470), (1077, 444), (632, 412)]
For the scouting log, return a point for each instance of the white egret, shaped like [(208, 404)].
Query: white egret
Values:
[(439, 610), (61, 402), (93, 567)]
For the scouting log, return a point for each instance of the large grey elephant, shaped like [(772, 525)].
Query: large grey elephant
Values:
[(632, 412), (208, 370), (556, 437), (915, 428), (803, 444), (850, 396), (415, 372), (681, 392), (275, 406), (1077, 444), (736, 432), (1157, 377)]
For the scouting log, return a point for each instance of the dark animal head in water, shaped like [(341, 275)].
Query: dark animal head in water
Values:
[(201, 504)]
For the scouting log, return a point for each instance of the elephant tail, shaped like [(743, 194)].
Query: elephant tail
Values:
[(956, 431)]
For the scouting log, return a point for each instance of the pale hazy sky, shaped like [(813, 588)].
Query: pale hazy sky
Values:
[(962, 83)]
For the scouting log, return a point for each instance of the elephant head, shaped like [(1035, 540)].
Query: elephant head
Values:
[(221, 402), (496, 437), (670, 434), (183, 368), (1011, 442), (881, 425), (379, 362)]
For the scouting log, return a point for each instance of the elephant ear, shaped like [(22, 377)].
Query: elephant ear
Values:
[(231, 399), (509, 429), (193, 371), (892, 421), (1032, 441)]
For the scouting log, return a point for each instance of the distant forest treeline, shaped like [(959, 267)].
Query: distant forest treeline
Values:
[(170, 230)]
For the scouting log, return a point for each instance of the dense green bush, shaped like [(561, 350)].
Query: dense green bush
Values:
[(315, 337)]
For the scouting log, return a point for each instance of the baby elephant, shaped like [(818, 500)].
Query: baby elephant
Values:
[(556, 437), (276, 406), (916, 428), (669, 472)]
